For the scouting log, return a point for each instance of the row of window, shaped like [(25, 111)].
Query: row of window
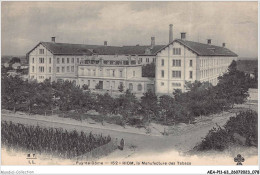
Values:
[(109, 72), (212, 72), (173, 84), (41, 60), (62, 69), (147, 60), (176, 63), (177, 74), (41, 69), (68, 60), (215, 62)]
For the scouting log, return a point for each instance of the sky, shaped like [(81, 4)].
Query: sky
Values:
[(25, 24)]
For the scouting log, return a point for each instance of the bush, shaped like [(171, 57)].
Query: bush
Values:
[(216, 139), (244, 124)]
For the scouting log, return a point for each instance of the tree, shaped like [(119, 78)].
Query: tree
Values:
[(127, 104), (12, 96), (14, 60), (98, 86), (85, 87), (105, 104), (121, 87), (233, 85), (148, 70), (149, 106), (166, 106)]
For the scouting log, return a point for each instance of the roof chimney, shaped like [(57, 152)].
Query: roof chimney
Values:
[(53, 39), (223, 44), (105, 43), (209, 41), (170, 33), (152, 41), (183, 35)]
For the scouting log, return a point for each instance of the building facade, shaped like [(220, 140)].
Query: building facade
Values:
[(107, 67), (184, 61)]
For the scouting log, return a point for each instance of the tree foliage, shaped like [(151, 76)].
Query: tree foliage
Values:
[(244, 124), (233, 85), (148, 70), (201, 99)]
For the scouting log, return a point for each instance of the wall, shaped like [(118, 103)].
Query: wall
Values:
[(210, 68), (164, 84), (34, 54)]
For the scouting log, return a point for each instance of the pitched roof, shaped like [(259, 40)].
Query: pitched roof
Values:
[(69, 49), (204, 49), (83, 49)]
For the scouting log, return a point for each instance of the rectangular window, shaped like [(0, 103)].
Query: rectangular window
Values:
[(68, 69), (94, 72), (153, 60), (162, 83), (72, 60), (147, 60), (72, 68), (77, 60), (176, 63), (33, 69), (176, 74), (190, 74), (63, 61), (58, 69), (49, 60), (63, 69), (49, 69), (41, 60), (190, 63), (41, 51), (162, 62), (68, 60), (41, 69), (58, 60), (162, 73), (32, 60), (141, 60), (121, 73), (113, 73), (176, 51), (88, 82), (133, 73)]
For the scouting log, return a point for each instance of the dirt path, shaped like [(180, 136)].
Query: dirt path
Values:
[(136, 143)]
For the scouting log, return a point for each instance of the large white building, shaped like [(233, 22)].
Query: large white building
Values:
[(109, 66), (186, 61)]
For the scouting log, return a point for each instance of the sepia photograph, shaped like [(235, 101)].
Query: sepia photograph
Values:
[(141, 83)]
